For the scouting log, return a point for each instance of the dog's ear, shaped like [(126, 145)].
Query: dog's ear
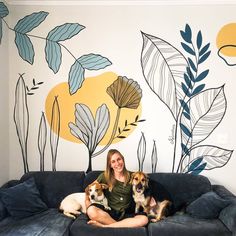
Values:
[(104, 186), (87, 190), (132, 177)]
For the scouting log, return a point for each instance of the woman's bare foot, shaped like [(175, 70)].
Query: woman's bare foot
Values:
[(95, 223)]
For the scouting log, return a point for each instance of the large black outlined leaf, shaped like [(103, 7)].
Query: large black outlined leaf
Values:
[(163, 68)]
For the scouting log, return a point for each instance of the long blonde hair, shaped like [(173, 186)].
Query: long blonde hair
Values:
[(109, 173)]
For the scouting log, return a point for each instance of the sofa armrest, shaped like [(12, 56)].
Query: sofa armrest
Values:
[(228, 217), (223, 192)]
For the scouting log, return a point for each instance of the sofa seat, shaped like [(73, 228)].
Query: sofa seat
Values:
[(50, 222), (81, 228), (185, 225)]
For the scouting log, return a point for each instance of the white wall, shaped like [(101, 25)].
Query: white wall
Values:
[(4, 108), (114, 31)]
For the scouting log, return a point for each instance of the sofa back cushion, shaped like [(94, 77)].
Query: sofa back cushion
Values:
[(55, 185), (183, 188)]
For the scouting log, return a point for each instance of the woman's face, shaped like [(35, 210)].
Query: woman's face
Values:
[(117, 163)]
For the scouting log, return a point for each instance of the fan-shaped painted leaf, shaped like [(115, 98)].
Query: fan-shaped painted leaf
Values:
[(186, 115), (188, 49), (202, 76), (184, 149), (3, 10), (199, 39), (192, 65), (64, 32), (198, 89), (30, 22), (199, 169), (94, 61), (185, 130), (163, 68), (195, 164), (25, 47), (207, 110), (76, 77), (185, 106), (53, 55), (186, 90), (213, 156), (204, 49), (187, 34), (204, 57)]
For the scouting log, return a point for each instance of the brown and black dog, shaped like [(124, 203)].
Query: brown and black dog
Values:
[(143, 197)]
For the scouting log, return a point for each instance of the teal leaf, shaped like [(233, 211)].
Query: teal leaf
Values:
[(192, 65), (184, 149), (188, 81), (195, 164), (94, 61), (76, 77), (185, 106), (3, 10), (185, 90), (185, 130), (187, 34), (199, 39), (25, 47), (204, 57), (186, 115), (0, 31), (53, 55), (190, 74), (202, 76), (204, 49), (64, 32), (30, 22), (199, 169), (188, 49), (198, 89)]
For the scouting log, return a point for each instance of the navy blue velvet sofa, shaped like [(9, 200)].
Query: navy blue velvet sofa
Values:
[(184, 189)]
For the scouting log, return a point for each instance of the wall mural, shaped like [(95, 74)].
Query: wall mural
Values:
[(178, 80)]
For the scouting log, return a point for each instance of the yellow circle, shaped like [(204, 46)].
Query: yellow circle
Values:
[(93, 94), (227, 36)]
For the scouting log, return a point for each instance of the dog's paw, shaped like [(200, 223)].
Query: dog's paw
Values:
[(108, 208)]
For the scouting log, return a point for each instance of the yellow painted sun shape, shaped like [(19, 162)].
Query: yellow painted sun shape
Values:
[(93, 94)]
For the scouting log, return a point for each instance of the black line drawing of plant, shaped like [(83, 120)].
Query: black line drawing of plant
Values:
[(21, 119), (34, 87), (126, 93), (53, 47), (55, 131), (197, 112), (42, 139)]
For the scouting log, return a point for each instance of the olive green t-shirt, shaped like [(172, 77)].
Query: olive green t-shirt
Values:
[(120, 196)]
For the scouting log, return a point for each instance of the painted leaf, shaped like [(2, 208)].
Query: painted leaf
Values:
[(3, 10), (199, 169), (213, 156), (199, 39), (191, 63), (141, 152), (94, 61), (53, 55), (204, 57), (25, 47), (30, 22), (0, 31), (207, 109), (187, 81), (76, 77), (195, 164), (75, 131), (187, 34), (163, 68), (154, 157), (185, 130), (202, 76), (204, 49), (198, 89), (188, 49), (64, 32)]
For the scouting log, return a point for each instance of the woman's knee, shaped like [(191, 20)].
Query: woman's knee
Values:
[(142, 220), (94, 213)]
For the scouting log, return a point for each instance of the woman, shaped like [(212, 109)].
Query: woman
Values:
[(119, 196)]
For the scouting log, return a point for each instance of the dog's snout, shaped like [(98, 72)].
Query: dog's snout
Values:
[(92, 197), (139, 186)]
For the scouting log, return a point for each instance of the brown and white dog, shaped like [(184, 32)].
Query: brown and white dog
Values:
[(142, 197), (94, 192)]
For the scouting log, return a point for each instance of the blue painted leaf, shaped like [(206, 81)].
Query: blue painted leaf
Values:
[(25, 47), (94, 61), (195, 164), (30, 22), (204, 49), (53, 55), (76, 77), (185, 106), (199, 169), (64, 32), (185, 90), (199, 39), (186, 115), (198, 89), (188, 81), (204, 57), (3, 10), (188, 49), (190, 74), (187, 34), (185, 130), (192, 65), (184, 149), (202, 76)]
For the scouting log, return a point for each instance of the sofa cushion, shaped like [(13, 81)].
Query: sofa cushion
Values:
[(55, 185), (23, 200), (183, 188), (3, 210), (207, 206), (46, 223)]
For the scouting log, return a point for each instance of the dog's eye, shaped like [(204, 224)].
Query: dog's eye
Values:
[(136, 178), (96, 190), (90, 190), (143, 180)]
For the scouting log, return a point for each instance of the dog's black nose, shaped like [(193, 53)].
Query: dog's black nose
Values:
[(92, 196), (139, 186)]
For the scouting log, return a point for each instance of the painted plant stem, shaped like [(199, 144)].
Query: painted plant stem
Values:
[(21, 118)]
